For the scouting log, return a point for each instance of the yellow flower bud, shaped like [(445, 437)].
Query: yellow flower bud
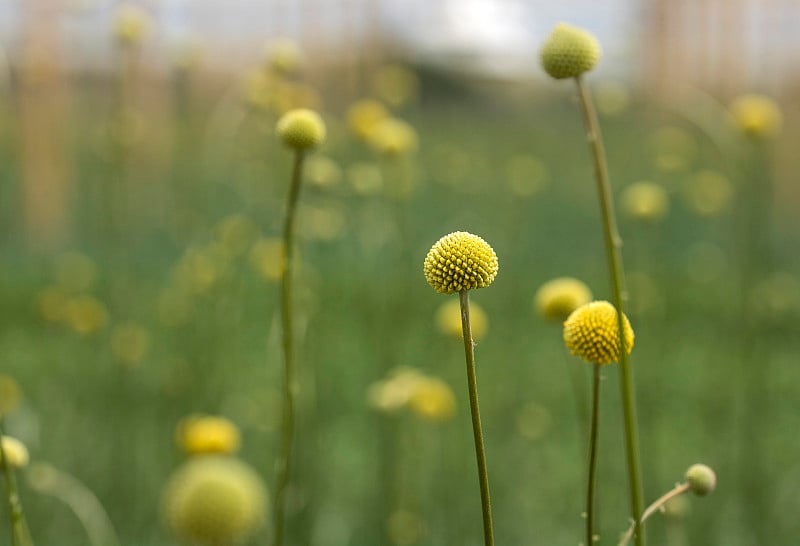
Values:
[(301, 129), (394, 137), (592, 333), (364, 115), (131, 25), (701, 479), (460, 261), (645, 201), (569, 52), (201, 434), (15, 451), (433, 399), (448, 319), (757, 115), (556, 299)]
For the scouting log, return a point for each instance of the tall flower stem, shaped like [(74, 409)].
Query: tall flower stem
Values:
[(619, 294), (657, 505), (477, 429), (20, 535), (290, 386), (593, 434)]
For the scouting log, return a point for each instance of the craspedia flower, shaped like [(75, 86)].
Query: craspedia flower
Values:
[(433, 399), (394, 137), (201, 434), (701, 479), (364, 115), (569, 51), (645, 201), (301, 129), (592, 333), (15, 451), (284, 57), (460, 261), (215, 500), (557, 298), (757, 115)]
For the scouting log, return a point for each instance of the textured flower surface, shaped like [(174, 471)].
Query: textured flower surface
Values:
[(557, 298), (460, 261), (301, 129), (215, 500), (592, 333), (569, 51)]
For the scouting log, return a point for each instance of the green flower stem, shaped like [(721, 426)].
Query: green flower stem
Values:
[(590, 492), (614, 251), (477, 430), (19, 528), (657, 505), (290, 387)]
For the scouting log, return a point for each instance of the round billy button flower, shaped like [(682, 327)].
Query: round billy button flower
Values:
[(757, 115), (592, 333), (301, 129), (556, 299), (16, 452), (460, 261), (569, 52), (701, 479)]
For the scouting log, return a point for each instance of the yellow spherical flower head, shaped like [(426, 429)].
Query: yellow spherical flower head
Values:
[(448, 319), (433, 399), (200, 434), (130, 342), (131, 25), (15, 451), (645, 201), (592, 333), (460, 261), (557, 298), (569, 52), (701, 479), (285, 57), (215, 500), (301, 129), (757, 115), (394, 137), (364, 115)]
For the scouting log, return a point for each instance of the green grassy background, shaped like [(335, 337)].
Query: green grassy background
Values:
[(716, 381)]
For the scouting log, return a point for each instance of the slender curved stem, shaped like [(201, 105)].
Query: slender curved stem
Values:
[(593, 434), (657, 504), (290, 387), (20, 535), (619, 294), (477, 430)]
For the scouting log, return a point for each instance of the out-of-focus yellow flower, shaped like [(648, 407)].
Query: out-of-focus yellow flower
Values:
[(15, 451), (86, 315), (266, 256), (559, 297), (364, 116), (294, 95), (757, 115), (527, 175), (131, 25), (75, 272), (674, 149), (322, 171), (285, 57), (203, 434), (433, 399), (592, 333), (53, 303), (394, 137), (448, 319), (396, 85), (258, 90), (645, 201), (534, 421), (130, 342), (236, 234), (365, 178), (405, 528), (200, 269), (10, 394), (677, 507), (394, 393), (708, 193)]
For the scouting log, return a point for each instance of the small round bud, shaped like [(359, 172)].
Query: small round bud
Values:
[(592, 333), (301, 129), (569, 52), (201, 434), (15, 451), (460, 261), (556, 299), (701, 479), (757, 115)]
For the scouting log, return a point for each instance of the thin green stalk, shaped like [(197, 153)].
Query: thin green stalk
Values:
[(657, 505), (477, 430), (284, 462), (590, 492), (619, 294), (19, 528)]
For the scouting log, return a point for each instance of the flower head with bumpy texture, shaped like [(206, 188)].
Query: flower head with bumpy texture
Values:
[(569, 52), (215, 500), (559, 297), (301, 129), (592, 333), (701, 479), (460, 261), (757, 115)]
